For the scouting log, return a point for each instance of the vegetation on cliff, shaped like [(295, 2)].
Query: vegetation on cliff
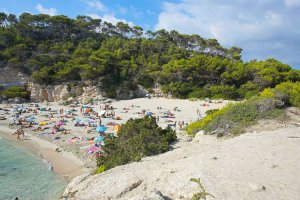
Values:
[(234, 118), (58, 49), (136, 139), (15, 91)]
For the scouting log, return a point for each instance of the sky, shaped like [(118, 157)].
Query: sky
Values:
[(262, 28)]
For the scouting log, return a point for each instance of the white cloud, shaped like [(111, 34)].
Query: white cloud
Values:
[(95, 4), (109, 18), (48, 11), (292, 3), (256, 26)]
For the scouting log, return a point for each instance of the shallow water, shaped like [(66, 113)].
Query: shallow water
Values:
[(24, 175)]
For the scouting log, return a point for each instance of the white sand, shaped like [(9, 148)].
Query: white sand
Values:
[(46, 144)]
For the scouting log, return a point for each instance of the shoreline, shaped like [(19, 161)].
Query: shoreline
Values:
[(64, 163), (74, 159)]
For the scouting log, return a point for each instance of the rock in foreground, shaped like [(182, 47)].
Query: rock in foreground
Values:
[(263, 165)]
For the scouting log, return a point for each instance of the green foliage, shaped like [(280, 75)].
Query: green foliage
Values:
[(267, 93), (194, 127), (211, 111), (136, 139), (59, 49), (15, 91), (234, 118), (202, 194), (292, 90), (100, 169)]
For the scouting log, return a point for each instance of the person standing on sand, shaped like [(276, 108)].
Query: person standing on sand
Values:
[(18, 133), (100, 121), (180, 125)]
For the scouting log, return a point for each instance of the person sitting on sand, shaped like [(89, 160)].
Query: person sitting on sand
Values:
[(56, 127), (41, 128), (26, 126), (65, 132), (2, 118)]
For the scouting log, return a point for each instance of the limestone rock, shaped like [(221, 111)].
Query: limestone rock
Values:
[(12, 77), (74, 183), (50, 93), (231, 169)]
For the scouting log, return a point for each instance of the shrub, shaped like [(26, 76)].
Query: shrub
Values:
[(292, 90), (15, 91), (223, 92), (211, 111), (100, 169), (234, 118), (267, 93), (248, 90), (136, 139), (203, 193), (194, 127)]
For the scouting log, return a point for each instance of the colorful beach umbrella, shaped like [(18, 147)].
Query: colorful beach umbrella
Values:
[(102, 112), (149, 113), (42, 123), (100, 129), (30, 118), (98, 138), (117, 128), (60, 123)]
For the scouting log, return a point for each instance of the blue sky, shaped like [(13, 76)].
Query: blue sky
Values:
[(262, 28)]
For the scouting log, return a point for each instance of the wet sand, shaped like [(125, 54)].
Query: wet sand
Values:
[(64, 163)]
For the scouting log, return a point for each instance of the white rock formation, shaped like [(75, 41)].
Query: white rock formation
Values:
[(40, 93), (263, 165), (12, 77)]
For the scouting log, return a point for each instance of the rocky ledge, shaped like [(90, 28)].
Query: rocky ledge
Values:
[(246, 167)]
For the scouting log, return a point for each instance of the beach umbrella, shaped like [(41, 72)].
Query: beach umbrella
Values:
[(92, 149), (42, 123), (149, 113), (98, 138), (117, 128), (102, 112), (77, 119), (100, 129), (60, 123), (30, 118)]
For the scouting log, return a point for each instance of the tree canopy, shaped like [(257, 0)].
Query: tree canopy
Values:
[(136, 139), (57, 49)]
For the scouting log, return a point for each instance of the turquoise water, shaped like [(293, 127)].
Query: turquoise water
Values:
[(25, 176)]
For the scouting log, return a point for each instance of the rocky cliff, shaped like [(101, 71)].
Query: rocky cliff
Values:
[(62, 92), (12, 77), (40, 93)]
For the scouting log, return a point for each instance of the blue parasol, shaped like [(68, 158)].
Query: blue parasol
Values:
[(100, 129)]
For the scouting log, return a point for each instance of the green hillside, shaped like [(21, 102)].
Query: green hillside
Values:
[(58, 49)]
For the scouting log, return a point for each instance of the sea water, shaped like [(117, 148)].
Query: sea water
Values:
[(24, 175)]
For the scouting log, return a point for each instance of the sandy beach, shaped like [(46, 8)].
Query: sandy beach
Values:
[(74, 157), (64, 163)]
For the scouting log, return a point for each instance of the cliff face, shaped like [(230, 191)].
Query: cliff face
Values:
[(12, 77), (40, 93), (124, 93), (62, 92)]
